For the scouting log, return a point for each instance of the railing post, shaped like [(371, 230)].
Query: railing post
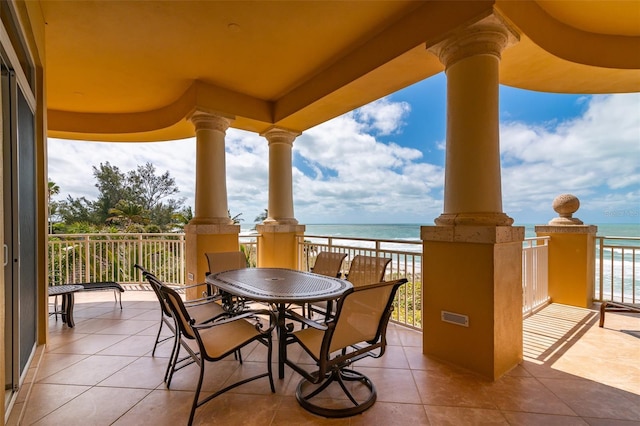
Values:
[(87, 272), (182, 258), (601, 266), (140, 255)]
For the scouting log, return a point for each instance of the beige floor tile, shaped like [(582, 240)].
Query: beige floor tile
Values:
[(129, 327), (57, 339), (589, 399), (137, 345), (409, 337), (574, 373), (463, 416), (453, 388), (291, 413), (130, 313), (143, 373), (90, 344), (393, 385), (52, 363), (393, 357), (534, 419), (216, 374), (527, 394), (238, 410), (389, 413), (89, 371), (159, 408), (96, 406), (45, 398)]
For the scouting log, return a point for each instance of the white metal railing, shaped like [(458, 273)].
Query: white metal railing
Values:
[(75, 258), (535, 274), (617, 270)]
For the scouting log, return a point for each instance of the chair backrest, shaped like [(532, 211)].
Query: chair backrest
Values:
[(367, 270), (328, 263), (172, 301), (226, 261), (154, 283), (362, 315)]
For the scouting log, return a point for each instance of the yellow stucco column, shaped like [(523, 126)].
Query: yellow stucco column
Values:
[(277, 244), (472, 258), (572, 249), (211, 229)]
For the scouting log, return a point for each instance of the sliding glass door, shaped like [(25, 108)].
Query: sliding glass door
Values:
[(19, 206)]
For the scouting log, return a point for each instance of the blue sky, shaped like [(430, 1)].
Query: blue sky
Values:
[(384, 163)]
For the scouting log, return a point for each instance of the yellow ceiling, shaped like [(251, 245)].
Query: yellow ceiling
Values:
[(133, 70)]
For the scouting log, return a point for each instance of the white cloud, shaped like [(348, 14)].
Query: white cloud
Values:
[(346, 174), (595, 157), (383, 116)]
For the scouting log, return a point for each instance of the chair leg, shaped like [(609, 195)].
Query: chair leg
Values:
[(197, 395), (269, 368), (155, 345), (173, 360), (339, 376)]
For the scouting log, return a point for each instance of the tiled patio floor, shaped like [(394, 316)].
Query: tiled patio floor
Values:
[(101, 372)]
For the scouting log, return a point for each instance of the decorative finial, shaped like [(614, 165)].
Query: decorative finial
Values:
[(566, 205)]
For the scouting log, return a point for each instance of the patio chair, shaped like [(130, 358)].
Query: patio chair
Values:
[(199, 309), (226, 261), (328, 263), (220, 337), (363, 270), (367, 269), (611, 306), (357, 330)]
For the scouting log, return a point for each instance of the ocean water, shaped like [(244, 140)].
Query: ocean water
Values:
[(412, 231), (620, 278)]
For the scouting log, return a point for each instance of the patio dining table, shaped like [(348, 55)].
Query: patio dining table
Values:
[(280, 287)]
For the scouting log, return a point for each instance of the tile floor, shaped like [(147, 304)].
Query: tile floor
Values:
[(102, 373)]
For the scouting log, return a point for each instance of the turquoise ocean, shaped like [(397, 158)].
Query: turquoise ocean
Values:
[(412, 231), (621, 274)]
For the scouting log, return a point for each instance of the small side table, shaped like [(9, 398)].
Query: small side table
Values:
[(66, 291)]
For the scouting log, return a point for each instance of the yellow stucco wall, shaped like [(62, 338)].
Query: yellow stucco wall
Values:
[(484, 282), (571, 263), (278, 245), (201, 239)]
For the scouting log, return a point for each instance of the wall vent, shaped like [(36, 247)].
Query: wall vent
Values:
[(453, 318)]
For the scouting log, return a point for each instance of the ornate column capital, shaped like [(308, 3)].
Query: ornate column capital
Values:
[(280, 135), (489, 36), (207, 121)]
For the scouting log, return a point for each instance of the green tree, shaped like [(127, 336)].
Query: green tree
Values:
[(127, 214), (80, 209), (182, 218), (261, 217), (236, 219), (112, 186), (53, 189), (148, 188), (141, 187)]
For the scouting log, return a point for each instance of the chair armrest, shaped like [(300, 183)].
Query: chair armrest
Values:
[(214, 322), (397, 282), (296, 316), (202, 300)]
